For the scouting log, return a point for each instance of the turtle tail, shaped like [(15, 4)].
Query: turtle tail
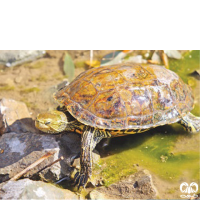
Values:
[(191, 123)]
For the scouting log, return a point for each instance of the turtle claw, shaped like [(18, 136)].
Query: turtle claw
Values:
[(80, 180)]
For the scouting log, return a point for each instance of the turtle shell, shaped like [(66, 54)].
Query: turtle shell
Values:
[(127, 96)]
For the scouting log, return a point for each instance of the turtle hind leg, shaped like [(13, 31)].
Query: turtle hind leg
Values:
[(191, 123), (90, 138)]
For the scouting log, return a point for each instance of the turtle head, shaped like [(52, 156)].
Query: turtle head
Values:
[(51, 122)]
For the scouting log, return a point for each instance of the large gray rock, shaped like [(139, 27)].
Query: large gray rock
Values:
[(22, 149), (11, 58), (19, 150), (137, 186), (27, 189)]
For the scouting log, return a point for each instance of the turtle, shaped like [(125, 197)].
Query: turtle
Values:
[(118, 100)]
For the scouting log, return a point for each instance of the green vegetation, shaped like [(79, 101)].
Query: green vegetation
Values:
[(42, 77), (32, 89), (58, 76), (7, 88), (36, 65)]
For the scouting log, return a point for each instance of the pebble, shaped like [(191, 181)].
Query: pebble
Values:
[(18, 79)]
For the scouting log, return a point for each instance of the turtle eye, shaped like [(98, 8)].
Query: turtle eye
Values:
[(48, 122)]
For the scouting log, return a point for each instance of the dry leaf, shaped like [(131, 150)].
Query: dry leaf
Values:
[(165, 59), (153, 62)]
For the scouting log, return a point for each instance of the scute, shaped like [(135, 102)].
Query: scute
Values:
[(127, 96)]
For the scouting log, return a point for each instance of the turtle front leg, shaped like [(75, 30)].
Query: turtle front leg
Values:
[(90, 138), (191, 123)]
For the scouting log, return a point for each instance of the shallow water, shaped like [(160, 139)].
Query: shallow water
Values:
[(169, 152)]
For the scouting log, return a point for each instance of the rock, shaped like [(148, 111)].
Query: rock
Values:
[(173, 54), (137, 186), (22, 149), (95, 195), (70, 145), (156, 57), (19, 150), (28, 189), (14, 116), (145, 184), (11, 58)]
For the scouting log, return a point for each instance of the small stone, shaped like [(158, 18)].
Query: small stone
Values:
[(95, 195), (164, 158), (156, 57), (173, 54), (18, 79)]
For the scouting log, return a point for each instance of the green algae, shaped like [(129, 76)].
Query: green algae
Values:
[(145, 150), (115, 168)]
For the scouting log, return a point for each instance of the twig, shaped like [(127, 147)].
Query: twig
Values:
[(49, 165), (17, 176), (164, 59)]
